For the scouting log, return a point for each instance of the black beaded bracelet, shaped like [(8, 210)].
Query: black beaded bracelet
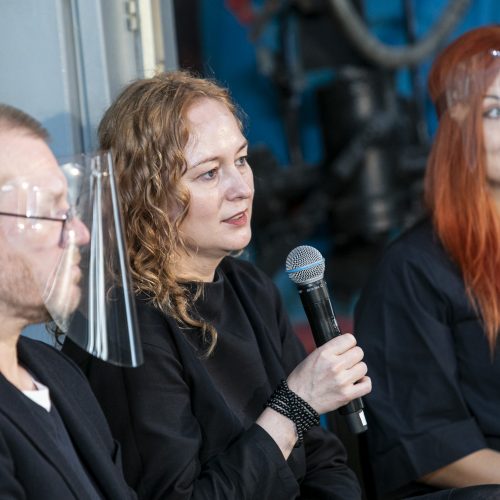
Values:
[(286, 402)]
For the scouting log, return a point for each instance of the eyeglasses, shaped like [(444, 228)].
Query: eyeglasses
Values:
[(65, 219)]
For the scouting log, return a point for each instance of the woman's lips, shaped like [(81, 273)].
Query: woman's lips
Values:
[(239, 219)]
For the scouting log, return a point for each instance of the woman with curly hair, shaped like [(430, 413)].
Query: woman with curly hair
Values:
[(429, 319), (226, 404)]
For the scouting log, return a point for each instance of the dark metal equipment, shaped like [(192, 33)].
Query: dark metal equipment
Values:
[(375, 143)]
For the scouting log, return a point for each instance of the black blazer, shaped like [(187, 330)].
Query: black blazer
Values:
[(30, 465)]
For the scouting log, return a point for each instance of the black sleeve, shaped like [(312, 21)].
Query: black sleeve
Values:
[(168, 438), (418, 420), (151, 414), (327, 476)]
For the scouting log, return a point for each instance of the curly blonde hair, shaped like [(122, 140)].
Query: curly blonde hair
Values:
[(146, 130)]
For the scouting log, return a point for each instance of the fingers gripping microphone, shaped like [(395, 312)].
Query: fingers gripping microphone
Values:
[(305, 266)]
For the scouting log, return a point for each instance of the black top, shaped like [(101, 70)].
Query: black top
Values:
[(52, 423), (436, 385), (33, 462), (186, 423)]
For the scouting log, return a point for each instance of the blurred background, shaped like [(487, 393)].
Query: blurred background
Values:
[(334, 94)]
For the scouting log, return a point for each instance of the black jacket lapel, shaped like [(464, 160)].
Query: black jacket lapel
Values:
[(15, 406), (82, 417)]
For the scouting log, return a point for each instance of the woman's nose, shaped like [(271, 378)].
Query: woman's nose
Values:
[(241, 184)]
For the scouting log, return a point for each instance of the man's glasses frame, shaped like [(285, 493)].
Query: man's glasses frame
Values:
[(64, 219)]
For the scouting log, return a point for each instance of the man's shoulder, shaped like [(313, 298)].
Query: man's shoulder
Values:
[(39, 354), (37, 348)]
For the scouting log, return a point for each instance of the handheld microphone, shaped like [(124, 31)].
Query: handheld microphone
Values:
[(305, 266)]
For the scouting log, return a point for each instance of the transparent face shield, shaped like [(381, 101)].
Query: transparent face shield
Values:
[(105, 323), (43, 241), (64, 229), (470, 103)]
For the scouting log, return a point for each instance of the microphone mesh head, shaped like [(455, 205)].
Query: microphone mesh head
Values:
[(305, 265)]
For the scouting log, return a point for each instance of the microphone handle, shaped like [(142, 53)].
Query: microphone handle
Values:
[(319, 311)]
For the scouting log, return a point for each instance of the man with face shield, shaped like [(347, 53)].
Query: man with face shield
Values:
[(429, 318), (54, 440)]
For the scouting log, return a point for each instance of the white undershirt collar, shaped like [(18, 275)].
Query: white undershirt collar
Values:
[(40, 396)]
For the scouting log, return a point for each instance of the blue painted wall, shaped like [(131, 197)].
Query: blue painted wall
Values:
[(230, 56)]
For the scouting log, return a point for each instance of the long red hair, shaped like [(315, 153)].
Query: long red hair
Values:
[(456, 190)]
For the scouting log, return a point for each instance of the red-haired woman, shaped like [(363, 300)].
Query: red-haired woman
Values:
[(429, 318)]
